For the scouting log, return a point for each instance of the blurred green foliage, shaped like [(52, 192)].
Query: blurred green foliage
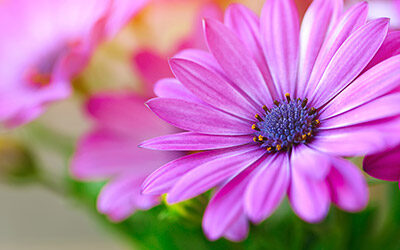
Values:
[(164, 228)]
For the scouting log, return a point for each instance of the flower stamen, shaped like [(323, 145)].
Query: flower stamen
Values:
[(286, 124), (287, 95), (254, 127), (258, 117)]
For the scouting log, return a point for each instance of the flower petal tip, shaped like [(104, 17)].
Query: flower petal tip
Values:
[(171, 199), (211, 233), (208, 23), (145, 188), (149, 103), (313, 220), (145, 145), (256, 219)]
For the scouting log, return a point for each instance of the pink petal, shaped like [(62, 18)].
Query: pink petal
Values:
[(213, 173), (349, 190), (204, 58), (161, 180), (122, 112), (310, 199), (267, 188), (193, 141), (280, 39), (122, 12), (384, 107), (351, 20), (146, 61), (198, 118), (226, 207), (196, 37), (350, 59), (122, 122), (236, 61), (358, 140), (389, 48), (121, 197), (22, 117), (172, 88), (310, 162), (365, 89), (384, 165), (212, 88), (245, 23), (238, 231), (319, 17), (105, 153)]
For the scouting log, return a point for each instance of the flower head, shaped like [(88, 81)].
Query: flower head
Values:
[(45, 43), (275, 107)]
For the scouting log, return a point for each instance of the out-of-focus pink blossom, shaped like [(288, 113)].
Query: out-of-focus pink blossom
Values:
[(152, 65), (110, 152), (45, 43)]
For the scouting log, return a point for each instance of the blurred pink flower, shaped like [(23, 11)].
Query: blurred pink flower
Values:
[(45, 43), (153, 65), (110, 151), (327, 88), (122, 121)]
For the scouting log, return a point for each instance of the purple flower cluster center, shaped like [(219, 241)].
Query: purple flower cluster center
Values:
[(287, 123)]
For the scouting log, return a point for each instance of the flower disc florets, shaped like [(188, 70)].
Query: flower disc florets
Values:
[(287, 123)]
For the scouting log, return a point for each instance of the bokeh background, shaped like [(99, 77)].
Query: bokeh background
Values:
[(42, 215)]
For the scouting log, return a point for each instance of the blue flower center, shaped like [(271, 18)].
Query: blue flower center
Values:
[(287, 123)]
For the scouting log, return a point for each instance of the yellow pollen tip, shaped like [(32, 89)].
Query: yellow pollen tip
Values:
[(312, 111), (258, 117), (265, 108), (254, 127), (255, 139), (309, 134), (287, 95), (303, 137), (278, 147), (317, 122), (269, 149), (260, 137)]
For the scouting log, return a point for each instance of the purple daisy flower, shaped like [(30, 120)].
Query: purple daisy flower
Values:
[(274, 107)]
